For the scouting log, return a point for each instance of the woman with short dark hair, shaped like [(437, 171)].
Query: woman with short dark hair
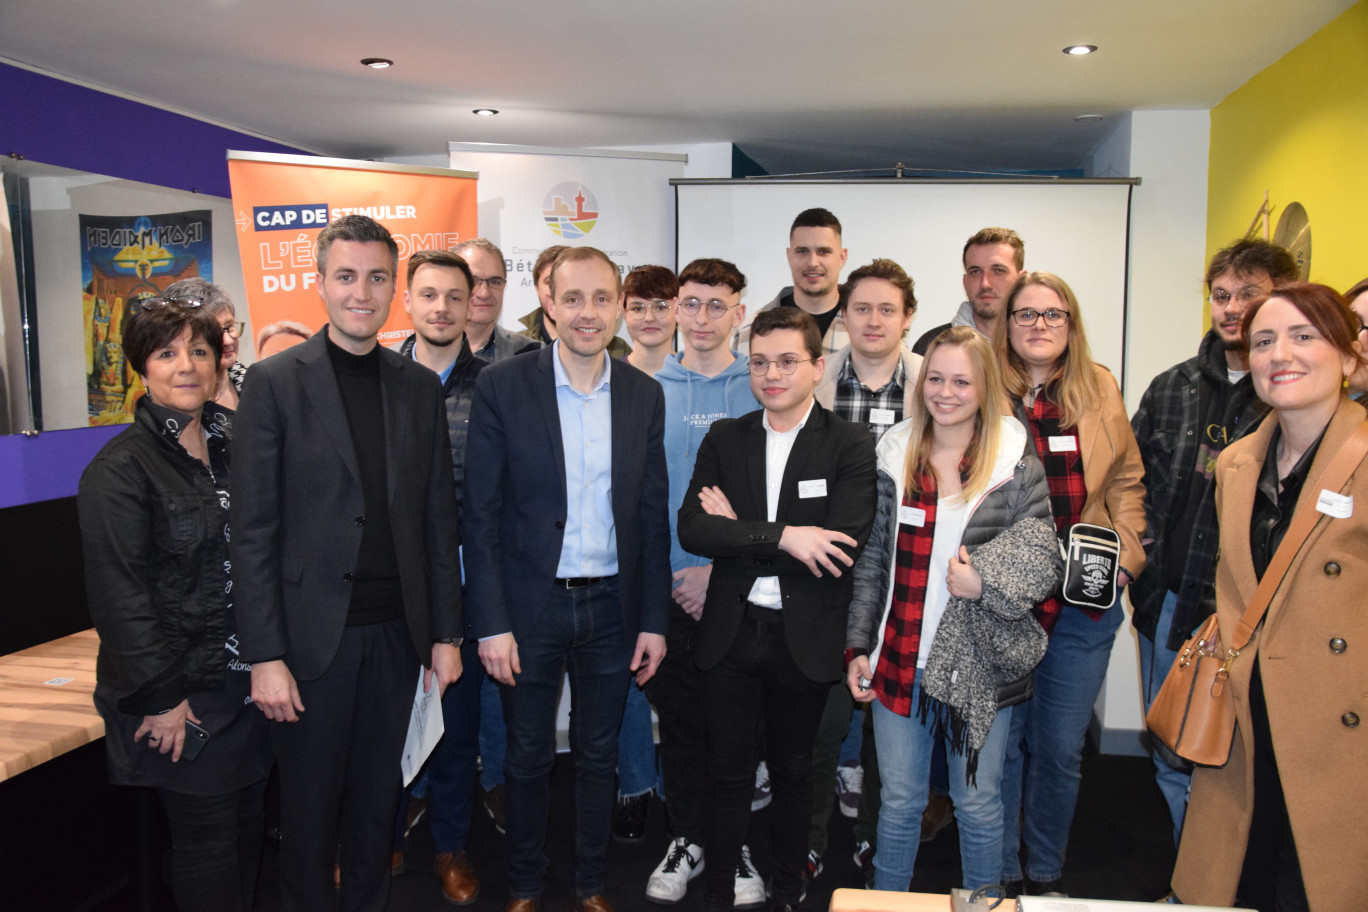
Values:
[(175, 699)]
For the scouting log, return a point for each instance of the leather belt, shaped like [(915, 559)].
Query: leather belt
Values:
[(579, 582)]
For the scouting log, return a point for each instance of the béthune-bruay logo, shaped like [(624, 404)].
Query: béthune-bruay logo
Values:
[(570, 210)]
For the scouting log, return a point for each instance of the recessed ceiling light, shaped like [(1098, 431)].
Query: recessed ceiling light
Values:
[(485, 112), (1088, 118), (377, 63), (1078, 50)]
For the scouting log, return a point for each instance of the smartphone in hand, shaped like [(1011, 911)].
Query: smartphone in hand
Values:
[(195, 739)]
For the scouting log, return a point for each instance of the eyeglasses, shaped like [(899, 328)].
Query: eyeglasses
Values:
[(787, 365), (494, 283), (716, 309), (1246, 296), (155, 302), (1054, 317), (639, 308), (234, 329)]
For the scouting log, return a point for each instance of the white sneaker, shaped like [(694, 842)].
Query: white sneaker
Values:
[(849, 784), (760, 798), (749, 889), (669, 882)]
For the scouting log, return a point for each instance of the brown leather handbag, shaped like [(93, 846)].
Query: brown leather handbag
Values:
[(1194, 714)]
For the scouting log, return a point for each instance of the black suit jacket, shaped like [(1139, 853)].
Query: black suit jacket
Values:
[(515, 499), (297, 507), (732, 457)]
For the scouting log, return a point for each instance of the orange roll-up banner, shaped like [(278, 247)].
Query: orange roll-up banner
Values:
[(281, 202)]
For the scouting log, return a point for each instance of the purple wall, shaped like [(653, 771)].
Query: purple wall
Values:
[(58, 123)]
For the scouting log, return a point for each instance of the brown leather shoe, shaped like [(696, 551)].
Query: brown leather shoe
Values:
[(460, 886), (596, 903), (523, 905), (397, 864), (939, 814)]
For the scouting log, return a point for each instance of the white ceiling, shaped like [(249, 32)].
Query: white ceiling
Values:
[(801, 85)]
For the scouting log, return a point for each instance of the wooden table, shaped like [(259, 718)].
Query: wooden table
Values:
[(40, 718)]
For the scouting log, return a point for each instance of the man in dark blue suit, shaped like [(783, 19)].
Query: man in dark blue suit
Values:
[(568, 559)]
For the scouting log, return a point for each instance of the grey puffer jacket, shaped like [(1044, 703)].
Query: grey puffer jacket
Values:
[(1019, 571)]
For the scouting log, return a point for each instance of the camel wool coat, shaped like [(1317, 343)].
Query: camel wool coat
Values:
[(1313, 653)]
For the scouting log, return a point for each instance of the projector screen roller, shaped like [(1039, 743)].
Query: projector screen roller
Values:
[(1076, 229)]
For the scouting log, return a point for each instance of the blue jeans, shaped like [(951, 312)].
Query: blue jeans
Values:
[(1155, 661), (493, 735), (904, 747), (636, 767), (1048, 744), (582, 629), (854, 740)]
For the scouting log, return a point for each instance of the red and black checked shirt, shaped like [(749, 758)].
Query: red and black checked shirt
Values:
[(897, 668), (1064, 475)]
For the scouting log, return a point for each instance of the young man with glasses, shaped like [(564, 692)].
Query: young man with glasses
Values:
[(487, 339), (782, 500), (1188, 415), (702, 383), (649, 295)]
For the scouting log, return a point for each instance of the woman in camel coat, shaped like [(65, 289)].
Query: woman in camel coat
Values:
[(1284, 824)]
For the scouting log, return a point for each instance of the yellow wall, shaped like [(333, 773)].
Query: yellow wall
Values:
[(1299, 130)]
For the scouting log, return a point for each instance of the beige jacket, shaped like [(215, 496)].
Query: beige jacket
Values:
[(1313, 658)]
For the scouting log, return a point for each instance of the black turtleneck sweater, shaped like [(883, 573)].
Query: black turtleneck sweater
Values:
[(376, 592)]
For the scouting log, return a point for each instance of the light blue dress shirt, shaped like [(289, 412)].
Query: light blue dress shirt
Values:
[(590, 545)]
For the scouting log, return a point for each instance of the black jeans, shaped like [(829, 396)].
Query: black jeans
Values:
[(676, 692), (215, 847), (758, 681)]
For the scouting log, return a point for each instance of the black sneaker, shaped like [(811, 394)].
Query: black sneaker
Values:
[(629, 817)]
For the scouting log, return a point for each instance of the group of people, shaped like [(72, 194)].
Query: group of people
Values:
[(756, 523)]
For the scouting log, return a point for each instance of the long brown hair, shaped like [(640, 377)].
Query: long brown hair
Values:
[(982, 451), (1073, 383)]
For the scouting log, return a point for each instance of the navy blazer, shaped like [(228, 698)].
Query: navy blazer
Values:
[(838, 453), (515, 499), (297, 507)]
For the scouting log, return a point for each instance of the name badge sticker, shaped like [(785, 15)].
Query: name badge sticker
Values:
[(1067, 444), (911, 516), (1332, 503), (814, 488), (881, 416)]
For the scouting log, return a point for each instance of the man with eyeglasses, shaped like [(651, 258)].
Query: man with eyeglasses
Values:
[(702, 383), (487, 339), (815, 259), (993, 260), (1188, 415), (871, 383), (649, 295), (782, 500)]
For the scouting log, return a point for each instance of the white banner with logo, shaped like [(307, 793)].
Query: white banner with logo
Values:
[(531, 198)]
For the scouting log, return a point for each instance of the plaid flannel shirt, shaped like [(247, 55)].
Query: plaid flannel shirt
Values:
[(854, 401), (896, 671), (1177, 454), (1064, 475)]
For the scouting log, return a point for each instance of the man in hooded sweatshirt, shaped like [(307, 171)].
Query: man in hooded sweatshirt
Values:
[(702, 383)]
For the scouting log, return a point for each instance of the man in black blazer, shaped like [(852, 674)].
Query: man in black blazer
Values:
[(348, 580), (783, 501), (567, 550)]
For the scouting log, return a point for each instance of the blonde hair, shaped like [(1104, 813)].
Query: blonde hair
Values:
[(982, 451), (1072, 383)]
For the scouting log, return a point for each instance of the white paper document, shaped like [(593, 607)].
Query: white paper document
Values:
[(424, 731)]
